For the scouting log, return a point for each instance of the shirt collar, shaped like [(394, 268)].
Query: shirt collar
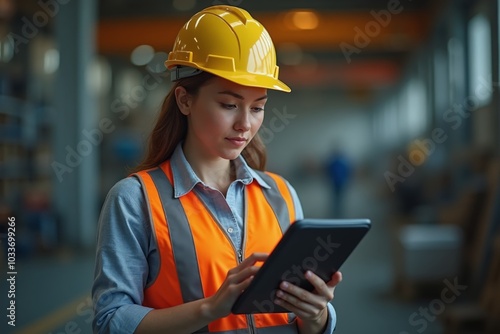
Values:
[(185, 179)]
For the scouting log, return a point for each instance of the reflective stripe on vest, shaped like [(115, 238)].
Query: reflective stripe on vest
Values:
[(284, 329), (187, 270)]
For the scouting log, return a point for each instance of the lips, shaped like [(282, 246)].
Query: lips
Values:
[(238, 141), (241, 139)]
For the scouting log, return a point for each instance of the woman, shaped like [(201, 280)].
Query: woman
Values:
[(179, 239)]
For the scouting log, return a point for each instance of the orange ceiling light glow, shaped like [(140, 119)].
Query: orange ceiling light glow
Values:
[(301, 20), (333, 29)]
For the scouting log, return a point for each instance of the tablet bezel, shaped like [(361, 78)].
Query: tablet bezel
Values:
[(274, 268)]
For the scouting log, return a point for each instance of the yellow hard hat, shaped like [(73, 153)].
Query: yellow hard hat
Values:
[(228, 42)]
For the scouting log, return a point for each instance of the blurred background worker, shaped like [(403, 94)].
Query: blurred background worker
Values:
[(339, 171)]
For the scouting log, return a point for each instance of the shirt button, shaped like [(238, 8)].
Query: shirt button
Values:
[(230, 230)]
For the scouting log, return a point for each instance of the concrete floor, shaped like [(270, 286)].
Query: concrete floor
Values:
[(53, 293)]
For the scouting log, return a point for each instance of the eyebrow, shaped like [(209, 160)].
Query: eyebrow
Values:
[(238, 96)]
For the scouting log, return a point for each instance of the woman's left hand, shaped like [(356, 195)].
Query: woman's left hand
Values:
[(308, 306)]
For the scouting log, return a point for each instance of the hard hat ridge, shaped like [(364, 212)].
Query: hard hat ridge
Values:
[(226, 41)]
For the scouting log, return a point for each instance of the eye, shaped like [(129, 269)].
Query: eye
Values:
[(228, 106), (257, 109)]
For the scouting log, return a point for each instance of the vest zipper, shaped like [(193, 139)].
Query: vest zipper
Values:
[(240, 255), (250, 320), (239, 252), (251, 324)]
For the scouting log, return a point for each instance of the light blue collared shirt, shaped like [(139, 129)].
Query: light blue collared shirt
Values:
[(127, 257)]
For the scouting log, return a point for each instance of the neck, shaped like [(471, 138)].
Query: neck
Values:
[(217, 173)]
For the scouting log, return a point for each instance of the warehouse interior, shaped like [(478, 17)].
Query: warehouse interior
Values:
[(407, 92)]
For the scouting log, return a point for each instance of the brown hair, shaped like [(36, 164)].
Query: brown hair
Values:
[(171, 128)]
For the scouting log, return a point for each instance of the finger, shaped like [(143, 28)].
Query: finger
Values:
[(336, 279), (248, 262), (256, 257), (304, 299), (294, 304), (320, 287), (244, 284), (295, 293), (239, 276)]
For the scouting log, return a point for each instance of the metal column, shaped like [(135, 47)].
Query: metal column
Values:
[(75, 163)]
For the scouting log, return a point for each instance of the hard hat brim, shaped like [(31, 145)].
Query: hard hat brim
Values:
[(244, 79), (252, 80)]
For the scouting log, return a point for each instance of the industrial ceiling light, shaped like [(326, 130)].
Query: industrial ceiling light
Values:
[(301, 20)]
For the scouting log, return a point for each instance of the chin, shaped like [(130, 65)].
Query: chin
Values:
[(231, 155)]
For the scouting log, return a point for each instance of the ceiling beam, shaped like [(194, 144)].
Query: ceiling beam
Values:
[(368, 73), (335, 32)]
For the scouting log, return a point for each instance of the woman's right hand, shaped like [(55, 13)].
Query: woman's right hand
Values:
[(237, 280)]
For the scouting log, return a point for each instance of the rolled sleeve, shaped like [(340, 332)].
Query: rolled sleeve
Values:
[(332, 320), (121, 269)]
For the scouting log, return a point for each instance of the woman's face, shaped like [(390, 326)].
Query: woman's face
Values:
[(222, 118)]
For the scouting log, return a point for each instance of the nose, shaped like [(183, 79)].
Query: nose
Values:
[(243, 122)]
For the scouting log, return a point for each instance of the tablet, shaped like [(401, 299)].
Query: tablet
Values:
[(319, 245)]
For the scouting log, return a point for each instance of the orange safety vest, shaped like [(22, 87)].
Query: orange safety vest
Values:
[(196, 253)]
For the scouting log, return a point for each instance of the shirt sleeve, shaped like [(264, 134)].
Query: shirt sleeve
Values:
[(121, 268), (332, 320), (299, 214)]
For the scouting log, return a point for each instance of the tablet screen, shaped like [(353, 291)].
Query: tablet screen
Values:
[(319, 245)]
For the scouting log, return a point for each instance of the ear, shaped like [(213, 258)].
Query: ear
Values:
[(183, 100)]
